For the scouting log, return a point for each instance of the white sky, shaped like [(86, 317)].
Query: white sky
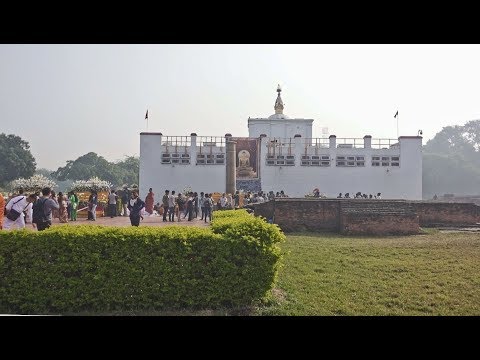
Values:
[(67, 100)]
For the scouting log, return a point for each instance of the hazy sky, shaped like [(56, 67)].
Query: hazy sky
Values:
[(67, 100)]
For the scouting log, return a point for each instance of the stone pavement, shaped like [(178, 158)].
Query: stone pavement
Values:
[(125, 221)]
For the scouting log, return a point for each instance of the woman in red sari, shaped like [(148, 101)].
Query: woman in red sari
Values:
[(149, 201)]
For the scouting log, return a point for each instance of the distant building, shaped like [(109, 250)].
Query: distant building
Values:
[(280, 154)]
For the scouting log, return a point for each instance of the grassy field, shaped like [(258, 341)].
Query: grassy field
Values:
[(329, 274)]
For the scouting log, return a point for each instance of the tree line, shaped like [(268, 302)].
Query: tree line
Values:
[(17, 161), (451, 161)]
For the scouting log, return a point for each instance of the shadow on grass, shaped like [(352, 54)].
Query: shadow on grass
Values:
[(335, 235), (244, 311)]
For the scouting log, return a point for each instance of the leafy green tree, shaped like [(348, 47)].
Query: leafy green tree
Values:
[(84, 168), (460, 141), (443, 174), (130, 168), (90, 165), (16, 160), (45, 172), (451, 161)]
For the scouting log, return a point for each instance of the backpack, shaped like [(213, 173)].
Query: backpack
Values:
[(38, 208), (207, 203)]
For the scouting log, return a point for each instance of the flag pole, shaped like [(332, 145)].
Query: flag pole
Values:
[(146, 117), (396, 117)]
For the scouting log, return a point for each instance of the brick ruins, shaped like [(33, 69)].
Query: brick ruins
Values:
[(361, 216)]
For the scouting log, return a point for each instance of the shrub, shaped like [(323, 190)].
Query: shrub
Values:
[(231, 214), (102, 269)]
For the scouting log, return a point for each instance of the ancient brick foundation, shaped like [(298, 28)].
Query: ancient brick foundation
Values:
[(294, 214), (371, 224), (434, 213), (361, 216)]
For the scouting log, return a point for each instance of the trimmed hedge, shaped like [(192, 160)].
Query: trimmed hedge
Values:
[(101, 269), (241, 213)]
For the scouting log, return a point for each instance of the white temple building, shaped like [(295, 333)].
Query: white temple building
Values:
[(280, 154)]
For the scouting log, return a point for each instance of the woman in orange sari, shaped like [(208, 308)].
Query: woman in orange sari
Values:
[(149, 201)]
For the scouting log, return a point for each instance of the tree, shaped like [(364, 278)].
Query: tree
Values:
[(84, 168), (91, 165), (451, 161), (45, 172), (16, 160), (130, 167), (462, 141), (447, 174)]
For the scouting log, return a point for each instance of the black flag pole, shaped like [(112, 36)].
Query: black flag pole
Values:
[(396, 116), (146, 117)]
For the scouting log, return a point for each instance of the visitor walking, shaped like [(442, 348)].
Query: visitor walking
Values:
[(149, 201), (171, 206), (125, 201), (15, 208), (165, 204), (208, 204), (93, 205), (73, 206), (42, 209), (135, 206), (62, 210), (112, 204)]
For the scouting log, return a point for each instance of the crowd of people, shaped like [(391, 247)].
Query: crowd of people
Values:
[(359, 195), (35, 208), (190, 205), (260, 197), (19, 208), (126, 203)]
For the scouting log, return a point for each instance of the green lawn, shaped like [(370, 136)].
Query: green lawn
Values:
[(329, 274)]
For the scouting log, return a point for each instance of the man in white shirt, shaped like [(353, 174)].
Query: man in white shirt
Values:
[(229, 201), (171, 206), (223, 201), (29, 212), (112, 204), (18, 204)]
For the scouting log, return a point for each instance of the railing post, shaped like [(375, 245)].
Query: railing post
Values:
[(193, 148), (333, 141), (298, 149), (367, 141)]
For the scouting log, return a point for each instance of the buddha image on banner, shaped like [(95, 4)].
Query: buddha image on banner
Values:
[(246, 158)]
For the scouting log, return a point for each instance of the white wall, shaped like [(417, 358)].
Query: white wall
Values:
[(280, 128), (411, 149), (403, 182), (161, 177)]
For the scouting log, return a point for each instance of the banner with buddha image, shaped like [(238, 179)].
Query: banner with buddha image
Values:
[(247, 158)]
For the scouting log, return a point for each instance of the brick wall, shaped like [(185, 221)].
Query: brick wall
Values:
[(433, 213), (362, 216), (374, 224), (306, 214), (264, 209)]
